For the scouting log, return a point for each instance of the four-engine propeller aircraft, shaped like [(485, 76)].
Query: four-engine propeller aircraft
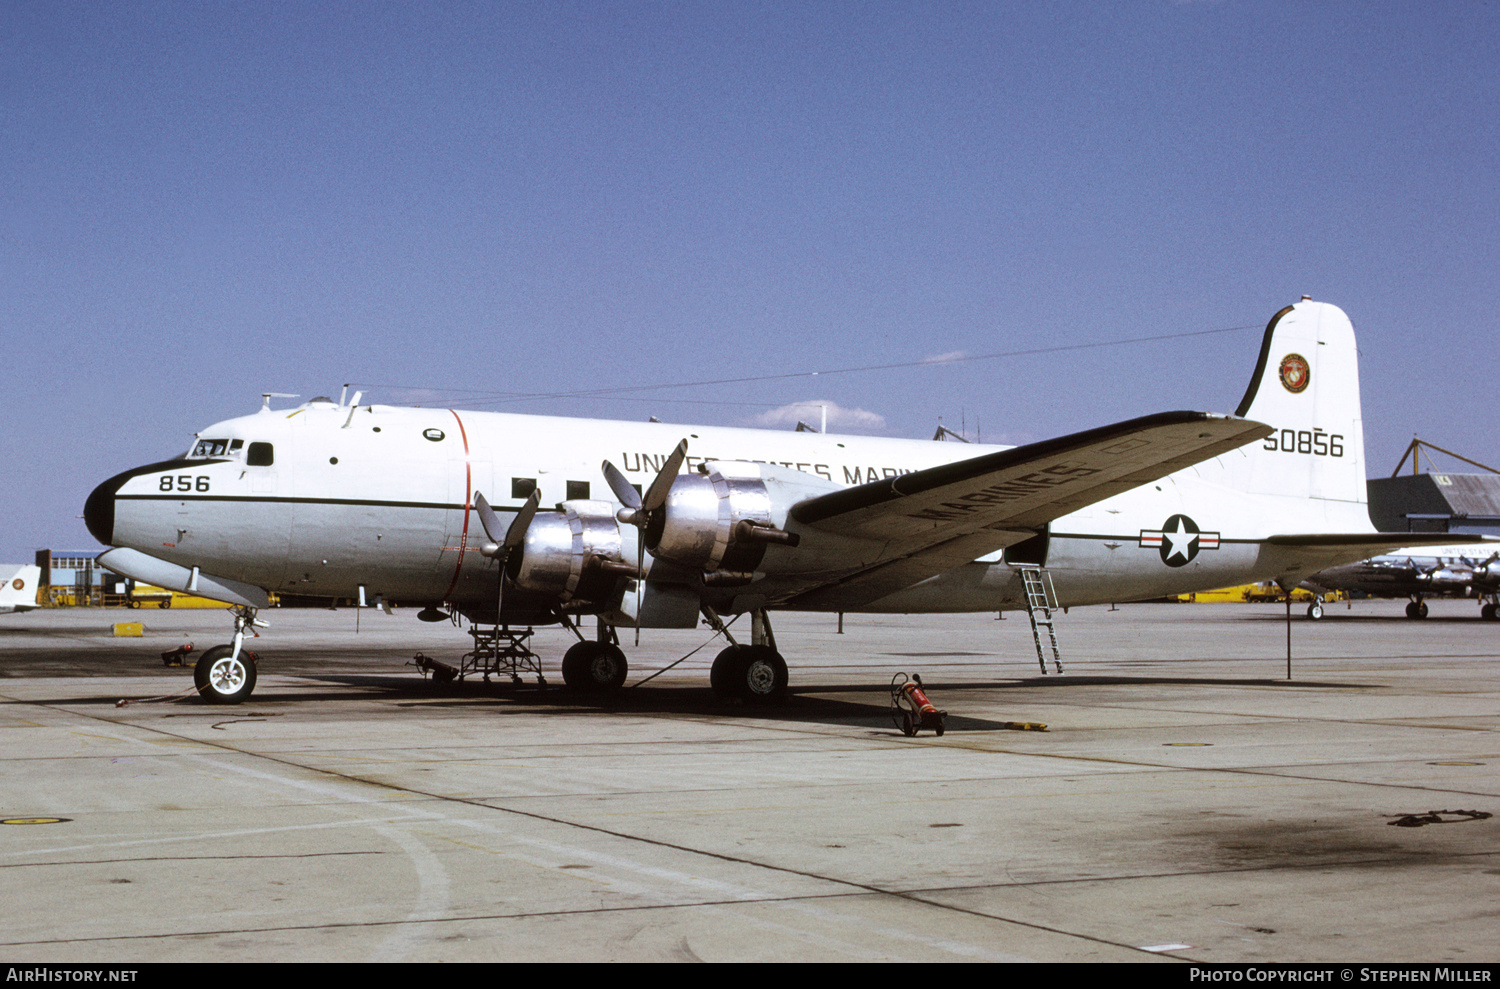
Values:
[(411, 505), (1417, 572)]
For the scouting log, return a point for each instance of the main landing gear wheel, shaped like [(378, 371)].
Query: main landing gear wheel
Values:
[(1315, 610), (1416, 609), (595, 668), (222, 680), (756, 674), (1489, 612)]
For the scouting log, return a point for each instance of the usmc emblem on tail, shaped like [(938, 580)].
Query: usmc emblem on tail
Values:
[(1295, 374)]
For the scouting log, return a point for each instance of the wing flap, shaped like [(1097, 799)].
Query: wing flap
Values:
[(897, 574)]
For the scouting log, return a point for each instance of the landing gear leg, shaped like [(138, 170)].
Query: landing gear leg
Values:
[(227, 674)]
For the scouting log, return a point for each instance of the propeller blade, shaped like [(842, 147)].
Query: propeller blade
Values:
[(623, 489), (640, 582), (656, 495), (488, 519), (516, 534), (509, 537), (638, 508)]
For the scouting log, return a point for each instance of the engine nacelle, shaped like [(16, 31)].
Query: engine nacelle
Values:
[(719, 521), (579, 553)]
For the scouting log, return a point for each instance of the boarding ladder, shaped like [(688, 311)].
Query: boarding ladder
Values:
[(1041, 602)]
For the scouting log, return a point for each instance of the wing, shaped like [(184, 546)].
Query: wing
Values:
[(933, 520)]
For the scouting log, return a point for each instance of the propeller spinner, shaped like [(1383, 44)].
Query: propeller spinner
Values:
[(638, 508)]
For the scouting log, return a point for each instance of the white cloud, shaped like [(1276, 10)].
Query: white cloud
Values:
[(810, 413)]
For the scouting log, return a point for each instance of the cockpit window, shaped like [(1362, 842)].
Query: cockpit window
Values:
[(211, 448)]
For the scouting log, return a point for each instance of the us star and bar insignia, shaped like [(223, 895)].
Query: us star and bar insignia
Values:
[(1179, 540)]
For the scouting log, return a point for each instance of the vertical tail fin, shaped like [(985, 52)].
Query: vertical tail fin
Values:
[(1306, 385), (18, 588)]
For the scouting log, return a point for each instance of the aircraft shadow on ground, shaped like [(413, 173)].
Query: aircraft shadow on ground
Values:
[(851, 705), (806, 703), (803, 706)]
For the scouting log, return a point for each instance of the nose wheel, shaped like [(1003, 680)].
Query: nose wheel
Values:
[(224, 678), (226, 674)]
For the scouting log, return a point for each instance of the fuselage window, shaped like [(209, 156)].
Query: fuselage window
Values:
[(260, 455), (521, 487), (578, 489)]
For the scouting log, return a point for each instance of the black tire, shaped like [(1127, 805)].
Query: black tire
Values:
[(1315, 610), (220, 681), (755, 674), (908, 726), (1488, 612), (595, 668), (724, 674), (165, 603), (1411, 610)]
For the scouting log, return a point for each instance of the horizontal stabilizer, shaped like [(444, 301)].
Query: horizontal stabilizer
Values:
[(1299, 556), (1379, 543)]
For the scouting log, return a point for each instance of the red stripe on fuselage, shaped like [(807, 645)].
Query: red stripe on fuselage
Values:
[(463, 540)]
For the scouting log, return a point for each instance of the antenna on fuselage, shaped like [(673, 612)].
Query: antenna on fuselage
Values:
[(266, 396)]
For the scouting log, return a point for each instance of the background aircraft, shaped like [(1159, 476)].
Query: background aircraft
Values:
[(1417, 572), (19, 584)]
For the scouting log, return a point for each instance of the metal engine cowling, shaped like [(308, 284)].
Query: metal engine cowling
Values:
[(578, 553), (718, 521)]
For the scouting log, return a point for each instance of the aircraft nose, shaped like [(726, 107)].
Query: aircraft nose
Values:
[(99, 510)]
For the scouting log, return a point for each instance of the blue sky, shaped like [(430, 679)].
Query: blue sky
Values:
[(204, 201)]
